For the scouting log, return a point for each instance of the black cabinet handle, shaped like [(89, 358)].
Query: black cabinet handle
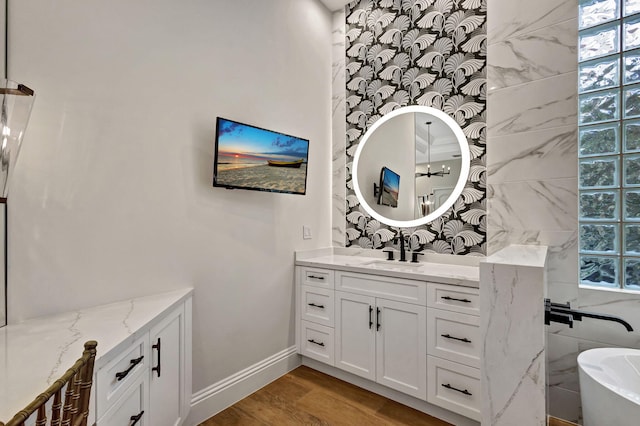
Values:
[(316, 306), (136, 419), (446, 336), (157, 367), (315, 343), (370, 317), (457, 300), (315, 277), (448, 386), (121, 375), (378, 319)]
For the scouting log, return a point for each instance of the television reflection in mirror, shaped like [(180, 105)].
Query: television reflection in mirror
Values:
[(389, 187)]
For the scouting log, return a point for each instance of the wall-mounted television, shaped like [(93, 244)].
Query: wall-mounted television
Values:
[(249, 157)]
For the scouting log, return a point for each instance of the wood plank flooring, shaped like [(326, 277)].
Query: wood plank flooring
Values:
[(308, 397), (559, 422)]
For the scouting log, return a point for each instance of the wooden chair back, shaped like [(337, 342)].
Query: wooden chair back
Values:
[(75, 409)]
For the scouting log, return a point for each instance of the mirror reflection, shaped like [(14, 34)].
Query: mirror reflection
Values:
[(409, 165)]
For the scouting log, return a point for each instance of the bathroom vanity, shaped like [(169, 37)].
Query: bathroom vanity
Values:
[(411, 327), (142, 369)]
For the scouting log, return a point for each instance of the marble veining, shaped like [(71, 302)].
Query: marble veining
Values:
[(511, 18), (543, 53), (75, 336), (125, 321), (38, 351), (541, 104), (339, 131), (537, 155), (545, 205), (513, 352), (562, 264)]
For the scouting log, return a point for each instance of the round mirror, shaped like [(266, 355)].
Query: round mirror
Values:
[(411, 166)]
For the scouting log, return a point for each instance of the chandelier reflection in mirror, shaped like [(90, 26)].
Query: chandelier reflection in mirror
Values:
[(429, 173), (17, 101)]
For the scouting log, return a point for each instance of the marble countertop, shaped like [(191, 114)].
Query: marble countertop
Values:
[(34, 353), (520, 255), (446, 269)]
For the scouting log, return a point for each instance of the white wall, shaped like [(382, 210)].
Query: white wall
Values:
[(393, 146), (112, 196)]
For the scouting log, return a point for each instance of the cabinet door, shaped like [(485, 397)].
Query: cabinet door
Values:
[(167, 370), (355, 334), (401, 347)]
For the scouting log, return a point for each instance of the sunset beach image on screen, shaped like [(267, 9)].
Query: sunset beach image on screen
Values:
[(390, 184), (249, 157)]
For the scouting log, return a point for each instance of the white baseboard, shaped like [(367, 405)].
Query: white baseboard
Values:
[(215, 398)]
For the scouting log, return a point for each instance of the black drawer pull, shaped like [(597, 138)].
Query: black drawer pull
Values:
[(370, 317), (315, 343), (316, 306), (448, 386), (121, 375), (157, 368), (315, 277), (446, 336), (136, 419), (457, 300), (378, 319)]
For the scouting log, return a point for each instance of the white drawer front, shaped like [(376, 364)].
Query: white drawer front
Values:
[(316, 277), (316, 341), (454, 386), (317, 305), (465, 300), (129, 407), (454, 336), (128, 365), (399, 289)]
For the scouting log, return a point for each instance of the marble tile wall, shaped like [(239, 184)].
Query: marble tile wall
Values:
[(532, 174), (513, 352), (339, 132)]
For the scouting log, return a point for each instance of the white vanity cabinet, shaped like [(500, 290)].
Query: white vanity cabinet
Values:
[(127, 386), (453, 347), (147, 383), (382, 340), (416, 336), (166, 394)]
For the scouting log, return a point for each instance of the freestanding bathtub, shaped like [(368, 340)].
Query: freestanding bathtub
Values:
[(610, 386)]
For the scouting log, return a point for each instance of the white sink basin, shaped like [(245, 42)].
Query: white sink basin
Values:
[(610, 386), (393, 265)]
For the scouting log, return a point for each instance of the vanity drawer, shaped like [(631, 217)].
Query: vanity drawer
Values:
[(316, 341), (399, 289), (316, 277), (317, 305), (454, 386), (131, 404), (129, 366), (465, 300), (454, 336)]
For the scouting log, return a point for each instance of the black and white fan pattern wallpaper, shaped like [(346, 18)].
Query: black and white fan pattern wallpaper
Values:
[(419, 52)]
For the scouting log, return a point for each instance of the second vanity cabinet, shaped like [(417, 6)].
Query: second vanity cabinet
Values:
[(146, 383), (420, 338)]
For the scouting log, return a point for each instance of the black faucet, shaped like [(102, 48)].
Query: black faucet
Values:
[(403, 254), (562, 313)]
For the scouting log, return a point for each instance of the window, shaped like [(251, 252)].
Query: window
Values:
[(609, 143)]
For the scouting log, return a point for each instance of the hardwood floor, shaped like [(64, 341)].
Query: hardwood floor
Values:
[(308, 397)]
